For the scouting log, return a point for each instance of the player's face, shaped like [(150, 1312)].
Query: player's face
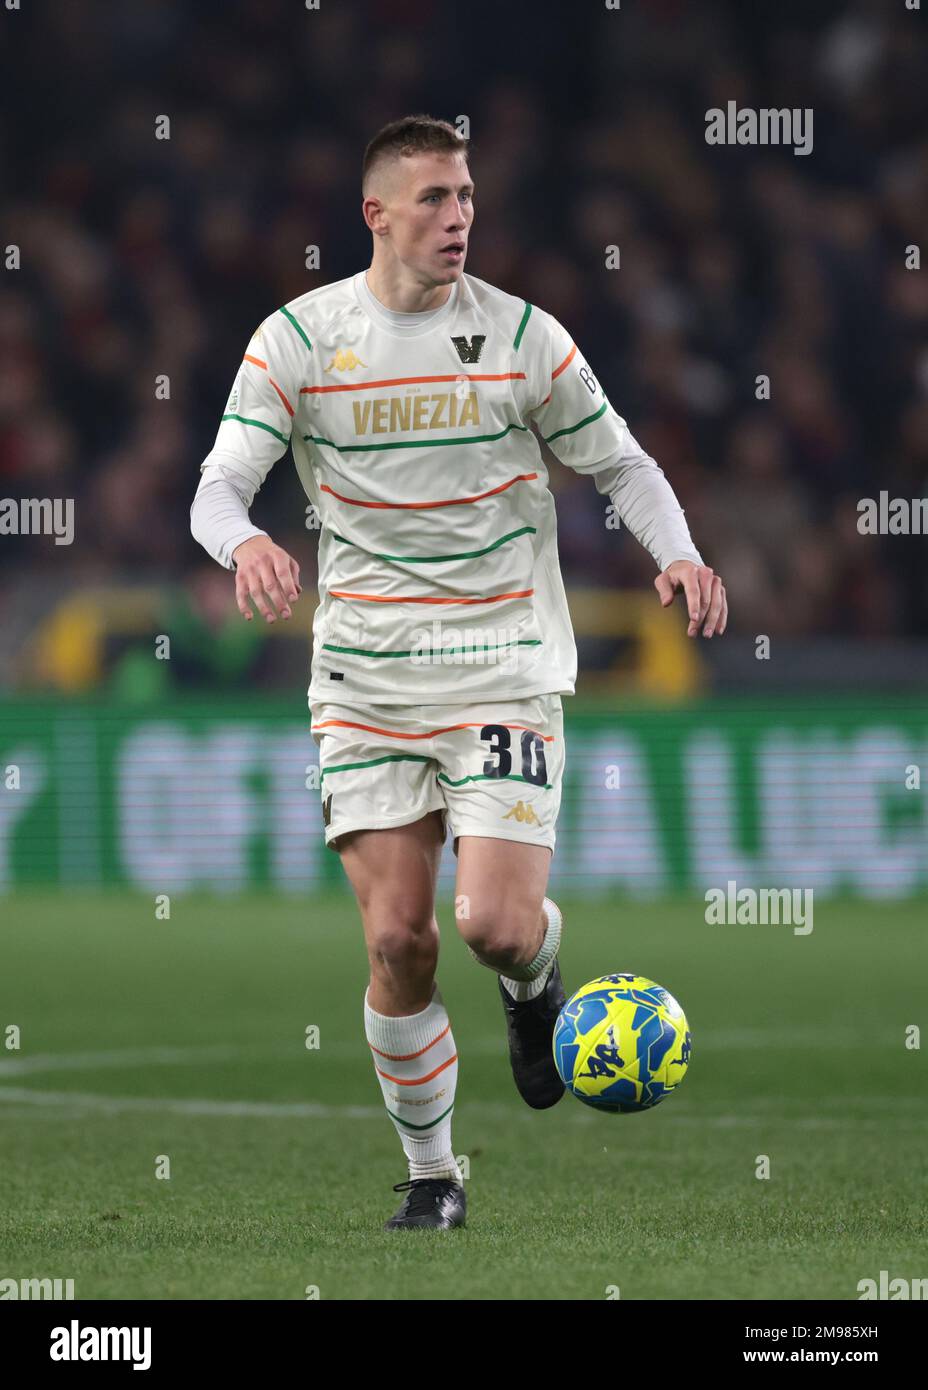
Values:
[(430, 211)]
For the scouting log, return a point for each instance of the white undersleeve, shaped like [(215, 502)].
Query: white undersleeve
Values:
[(219, 514)]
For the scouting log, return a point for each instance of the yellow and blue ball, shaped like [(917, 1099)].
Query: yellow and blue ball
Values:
[(622, 1044)]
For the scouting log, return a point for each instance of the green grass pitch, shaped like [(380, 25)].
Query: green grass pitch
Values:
[(186, 1038)]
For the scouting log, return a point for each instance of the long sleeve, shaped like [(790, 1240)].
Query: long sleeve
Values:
[(253, 434), (219, 515), (579, 425), (646, 503)]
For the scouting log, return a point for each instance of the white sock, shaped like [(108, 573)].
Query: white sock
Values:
[(535, 974), (416, 1064)]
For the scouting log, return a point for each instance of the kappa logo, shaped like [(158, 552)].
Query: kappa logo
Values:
[(525, 815), (344, 361), (469, 351)]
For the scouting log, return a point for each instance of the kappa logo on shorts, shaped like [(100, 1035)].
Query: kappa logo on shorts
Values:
[(522, 813), (327, 810)]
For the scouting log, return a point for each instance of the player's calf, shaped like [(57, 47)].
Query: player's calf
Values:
[(533, 995)]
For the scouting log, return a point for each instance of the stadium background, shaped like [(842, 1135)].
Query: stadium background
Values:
[(143, 257), (142, 777)]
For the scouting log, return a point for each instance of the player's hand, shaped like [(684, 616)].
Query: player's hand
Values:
[(704, 593), (268, 575)]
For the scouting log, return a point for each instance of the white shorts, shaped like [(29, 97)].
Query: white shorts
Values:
[(492, 768)]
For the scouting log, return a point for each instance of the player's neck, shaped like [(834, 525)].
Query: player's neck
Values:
[(395, 292)]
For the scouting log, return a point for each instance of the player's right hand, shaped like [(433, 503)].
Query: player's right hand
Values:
[(266, 574)]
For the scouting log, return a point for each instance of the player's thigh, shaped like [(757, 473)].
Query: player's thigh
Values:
[(376, 771), (500, 887), (393, 873), (382, 813), (501, 776)]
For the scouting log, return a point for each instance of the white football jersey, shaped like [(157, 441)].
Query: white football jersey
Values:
[(412, 436)]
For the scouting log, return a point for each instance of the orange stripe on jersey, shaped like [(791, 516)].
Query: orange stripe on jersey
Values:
[(403, 598), (447, 502), (288, 406), (419, 1079), (409, 381), (408, 1056), (557, 371), (256, 361), (430, 733), (566, 363)]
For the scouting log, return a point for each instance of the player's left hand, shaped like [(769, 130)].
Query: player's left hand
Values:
[(704, 593)]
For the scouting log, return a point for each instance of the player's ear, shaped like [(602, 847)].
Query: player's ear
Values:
[(373, 212)]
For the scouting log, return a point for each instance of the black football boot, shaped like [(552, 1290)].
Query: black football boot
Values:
[(436, 1202), (531, 1028)]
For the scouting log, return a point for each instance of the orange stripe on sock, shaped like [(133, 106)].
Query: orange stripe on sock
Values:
[(408, 1056), (419, 1080)]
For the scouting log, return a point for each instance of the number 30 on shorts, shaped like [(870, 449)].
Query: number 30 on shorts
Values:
[(533, 754)]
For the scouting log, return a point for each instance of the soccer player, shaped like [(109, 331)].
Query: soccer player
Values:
[(442, 644)]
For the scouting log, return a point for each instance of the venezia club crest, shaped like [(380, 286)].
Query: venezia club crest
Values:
[(469, 350)]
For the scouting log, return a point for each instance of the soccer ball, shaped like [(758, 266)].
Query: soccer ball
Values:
[(621, 1043)]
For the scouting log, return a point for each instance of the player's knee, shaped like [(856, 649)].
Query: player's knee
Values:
[(502, 935), (402, 939)]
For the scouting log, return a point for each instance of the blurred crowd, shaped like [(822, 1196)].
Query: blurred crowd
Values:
[(144, 259)]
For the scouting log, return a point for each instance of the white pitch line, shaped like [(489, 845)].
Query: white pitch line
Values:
[(130, 1057), (301, 1110), (142, 1057), (745, 1039), (308, 1110)]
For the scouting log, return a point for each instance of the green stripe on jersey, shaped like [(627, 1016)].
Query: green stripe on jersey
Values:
[(287, 315), (259, 425), (414, 443), (452, 651), (437, 559), (525, 319), (572, 429)]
